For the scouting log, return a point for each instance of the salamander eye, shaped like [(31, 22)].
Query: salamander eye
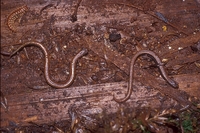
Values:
[(84, 51)]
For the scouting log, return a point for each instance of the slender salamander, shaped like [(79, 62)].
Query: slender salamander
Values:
[(160, 66), (46, 67)]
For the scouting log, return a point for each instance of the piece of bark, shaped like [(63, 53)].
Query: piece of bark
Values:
[(179, 43), (53, 105), (124, 64), (189, 83), (183, 60)]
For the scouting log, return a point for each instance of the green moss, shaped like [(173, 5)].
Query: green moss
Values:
[(187, 123)]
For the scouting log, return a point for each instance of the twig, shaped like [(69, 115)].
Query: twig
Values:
[(45, 7), (74, 15)]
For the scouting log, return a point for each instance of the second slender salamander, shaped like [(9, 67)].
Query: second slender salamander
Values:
[(46, 67), (160, 66)]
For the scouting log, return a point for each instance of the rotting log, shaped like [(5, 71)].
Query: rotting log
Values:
[(180, 61), (124, 64), (53, 105), (180, 43)]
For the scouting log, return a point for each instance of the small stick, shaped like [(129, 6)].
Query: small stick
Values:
[(45, 7), (74, 15)]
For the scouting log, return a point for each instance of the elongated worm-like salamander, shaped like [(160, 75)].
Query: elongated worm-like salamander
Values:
[(46, 67), (160, 66)]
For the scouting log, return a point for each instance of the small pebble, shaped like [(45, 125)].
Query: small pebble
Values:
[(114, 37)]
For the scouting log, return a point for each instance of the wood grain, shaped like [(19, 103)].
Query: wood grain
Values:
[(53, 105)]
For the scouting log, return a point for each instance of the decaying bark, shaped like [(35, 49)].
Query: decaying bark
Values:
[(53, 105), (49, 22)]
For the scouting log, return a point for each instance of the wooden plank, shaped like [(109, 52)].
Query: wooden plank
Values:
[(123, 63), (184, 60), (179, 44), (53, 105), (189, 83)]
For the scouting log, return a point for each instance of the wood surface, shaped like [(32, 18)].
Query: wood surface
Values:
[(51, 105)]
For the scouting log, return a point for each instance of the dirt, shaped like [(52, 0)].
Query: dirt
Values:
[(121, 26)]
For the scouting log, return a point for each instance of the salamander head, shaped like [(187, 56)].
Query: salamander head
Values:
[(84, 51), (174, 84)]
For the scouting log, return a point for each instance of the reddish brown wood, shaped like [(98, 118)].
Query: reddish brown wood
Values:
[(53, 105)]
